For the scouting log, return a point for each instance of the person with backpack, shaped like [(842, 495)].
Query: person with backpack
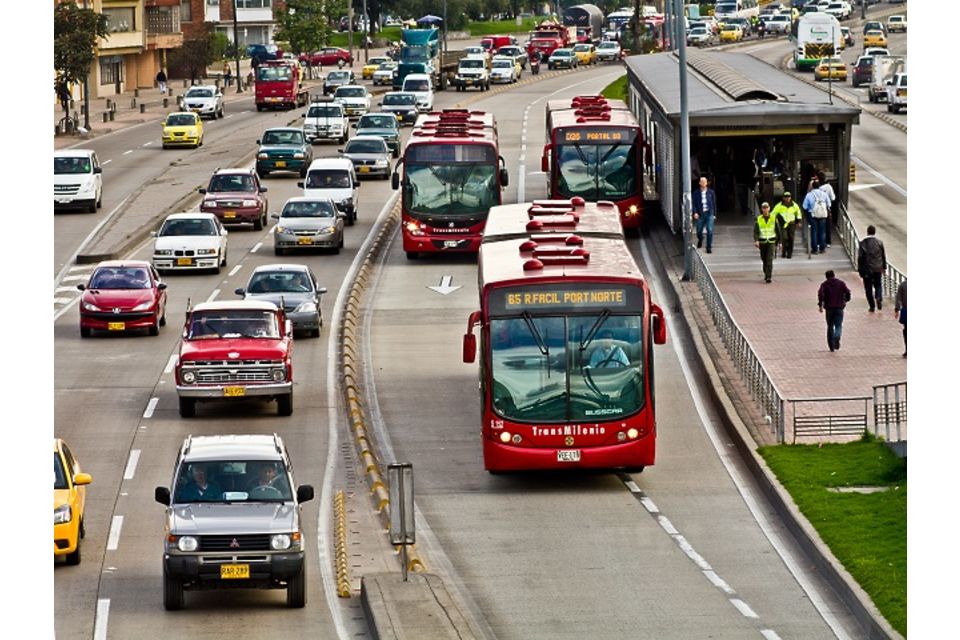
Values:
[(818, 210), (871, 265)]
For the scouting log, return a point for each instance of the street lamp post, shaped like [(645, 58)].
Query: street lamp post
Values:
[(685, 163), (366, 34), (236, 46), (86, 93)]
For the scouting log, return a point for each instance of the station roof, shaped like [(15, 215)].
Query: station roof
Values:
[(726, 88)]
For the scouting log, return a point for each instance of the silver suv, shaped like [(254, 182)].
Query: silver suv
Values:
[(233, 519)]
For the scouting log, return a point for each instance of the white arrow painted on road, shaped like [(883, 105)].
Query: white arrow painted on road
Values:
[(446, 286)]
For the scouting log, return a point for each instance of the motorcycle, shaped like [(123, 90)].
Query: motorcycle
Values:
[(535, 67)]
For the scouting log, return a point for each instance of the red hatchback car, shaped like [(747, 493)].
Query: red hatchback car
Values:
[(123, 295), (329, 57), (236, 196)]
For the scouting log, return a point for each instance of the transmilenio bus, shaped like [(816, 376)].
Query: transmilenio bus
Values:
[(594, 149), (452, 174), (566, 326)]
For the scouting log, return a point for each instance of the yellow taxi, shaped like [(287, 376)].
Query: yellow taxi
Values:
[(69, 497), (833, 68), (586, 53), (731, 33), (874, 38), (182, 129), (372, 65)]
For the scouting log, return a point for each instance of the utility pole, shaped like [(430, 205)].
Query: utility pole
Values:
[(685, 164), (236, 46), (366, 33), (86, 91), (445, 26), (350, 30)]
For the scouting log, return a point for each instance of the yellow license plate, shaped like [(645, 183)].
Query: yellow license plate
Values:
[(304, 241), (229, 214), (234, 571), (183, 262), (281, 163), (234, 392), (116, 326), (364, 169)]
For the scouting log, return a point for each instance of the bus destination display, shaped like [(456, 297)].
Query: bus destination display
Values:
[(565, 298), (596, 135)]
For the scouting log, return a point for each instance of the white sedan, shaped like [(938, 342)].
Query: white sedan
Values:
[(608, 50), (504, 70), (190, 241), (205, 100)]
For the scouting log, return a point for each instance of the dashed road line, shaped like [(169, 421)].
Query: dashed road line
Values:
[(170, 363), (64, 289), (743, 608), (113, 540), (74, 278), (103, 613), (233, 271), (131, 468), (255, 247), (107, 161), (147, 143), (63, 300), (151, 407), (83, 267), (128, 151), (719, 582), (213, 295), (769, 634)]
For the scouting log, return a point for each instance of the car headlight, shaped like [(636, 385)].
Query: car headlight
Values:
[(263, 156), (348, 202), (187, 543), (143, 306), (89, 306), (280, 541), (62, 514), (279, 375), (326, 231), (306, 307), (279, 229), (206, 252), (298, 155), (209, 203), (163, 252), (382, 162), (248, 203)]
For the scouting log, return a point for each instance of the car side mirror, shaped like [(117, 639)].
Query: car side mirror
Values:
[(161, 286), (356, 183), (81, 287), (380, 104), (469, 348), (98, 169), (275, 216), (153, 234), (288, 327), (321, 290), (300, 184), (304, 493), (82, 478), (162, 495), (201, 190), (258, 141), (240, 291), (395, 180), (341, 215), (341, 150)]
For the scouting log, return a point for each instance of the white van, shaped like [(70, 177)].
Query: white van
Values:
[(420, 85), (336, 179), (77, 180)]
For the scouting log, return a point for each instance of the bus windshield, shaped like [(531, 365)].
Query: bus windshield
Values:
[(459, 190), (597, 171), (567, 368)]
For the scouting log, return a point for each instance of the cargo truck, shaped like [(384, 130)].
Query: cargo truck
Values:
[(588, 20), (884, 68)]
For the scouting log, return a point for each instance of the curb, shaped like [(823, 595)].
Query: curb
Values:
[(847, 589)]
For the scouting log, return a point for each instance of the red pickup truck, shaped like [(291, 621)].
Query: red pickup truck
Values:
[(235, 349)]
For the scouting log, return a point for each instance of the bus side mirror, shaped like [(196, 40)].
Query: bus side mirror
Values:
[(544, 160), (470, 340), (395, 180), (659, 325), (504, 178)]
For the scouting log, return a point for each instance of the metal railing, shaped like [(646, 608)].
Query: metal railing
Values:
[(892, 277), (809, 420), (752, 372), (890, 410)]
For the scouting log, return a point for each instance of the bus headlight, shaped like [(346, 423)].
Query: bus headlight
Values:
[(633, 210), (504, 437), (414, 229), (632, 434)]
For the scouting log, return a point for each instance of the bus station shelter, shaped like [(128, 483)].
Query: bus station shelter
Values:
[(741, 110)]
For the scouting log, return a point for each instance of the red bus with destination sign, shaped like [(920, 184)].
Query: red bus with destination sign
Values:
[(452, 174), (566, 325), (594, 149)]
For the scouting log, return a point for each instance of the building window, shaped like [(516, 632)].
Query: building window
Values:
[(109, 70), (186, 13), (254, 4), (120, 19)]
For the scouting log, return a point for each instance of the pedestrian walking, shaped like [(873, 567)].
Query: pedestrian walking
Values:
[(788, 215), (827, 188), (63, 95), (765, 238), (162, 82), (704, 212), (900, 310), (871, 265), (227, 74), (833, 296), (816, 205)]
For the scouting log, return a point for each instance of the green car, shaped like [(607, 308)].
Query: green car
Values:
[(283, 149), (383, 125)]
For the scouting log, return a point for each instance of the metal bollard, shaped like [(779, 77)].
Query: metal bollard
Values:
[(143, 108), (108, 104), (82, 108), (113, 113), (165, 100), (185, 84), (136, 93), (133, 103), (106, 115)]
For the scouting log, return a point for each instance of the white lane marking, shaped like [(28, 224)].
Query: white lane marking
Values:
[(861, 187), (688, 549), (633, 486), (255, 247), (769, 634), (171, 363), (147, 144), (719, 582), (233, 271), (107, 161), (213, 295), (887, 181), (128, 151), (667, 525), (113, 540), (63, 300), (74, 278), (151, 407), (228, 116), (62, 289), (82, 267), (649, 505), (713, 431), (103, 612), (743, 608), (131, 469)]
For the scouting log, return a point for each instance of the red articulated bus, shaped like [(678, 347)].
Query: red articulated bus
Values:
[(452, 174), (566, 329), (594, 149)]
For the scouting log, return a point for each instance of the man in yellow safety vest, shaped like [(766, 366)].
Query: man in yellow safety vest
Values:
[(766, 238), (787, 213)]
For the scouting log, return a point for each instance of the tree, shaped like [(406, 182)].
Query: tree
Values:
[(75, 33), (306, 24), (197, 53)]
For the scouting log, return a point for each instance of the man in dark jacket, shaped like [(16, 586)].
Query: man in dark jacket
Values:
[(704, 207), (833, 296), (871, 264)]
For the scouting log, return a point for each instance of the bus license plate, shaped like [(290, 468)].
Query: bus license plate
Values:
[(184, 262), (234, 392), (116, 326), (281, 163), (234, 571), (451, 244), (568, 455)]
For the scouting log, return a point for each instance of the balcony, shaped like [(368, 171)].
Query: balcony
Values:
[(163, 27)]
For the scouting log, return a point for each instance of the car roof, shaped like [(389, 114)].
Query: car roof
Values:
[(291, 129), (351, 86), (307, 199), (202, 86), (417, 76), (220, 305), (190, 215), (220, 172), (284, 266), (73, 153), (330, 163), (365, 138), (123, 263), (182, 113), (231, 447)]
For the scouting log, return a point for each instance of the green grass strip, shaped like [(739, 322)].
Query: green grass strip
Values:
[(866, 532), (616, 90)]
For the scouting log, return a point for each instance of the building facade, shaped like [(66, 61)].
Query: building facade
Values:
[(255, 23)]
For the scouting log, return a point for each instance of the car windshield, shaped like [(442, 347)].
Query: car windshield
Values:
[(365, 146), (279, 282), (233, 323), (181, 120), (698, 31), (387, 66), (325, 112), (328, 179), (502, 64), (59, 476), (232, 481), (562, 53), (350, 92), (417, 85), (471, 64), (71, 165), (582, 47), (473, 50), (188, 227), (198, 92), (274, 74), (120, 278), (283, 137), (379, 122), (613, 45), (231, 182), (338, 75), (401, 99), (309, 209)]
